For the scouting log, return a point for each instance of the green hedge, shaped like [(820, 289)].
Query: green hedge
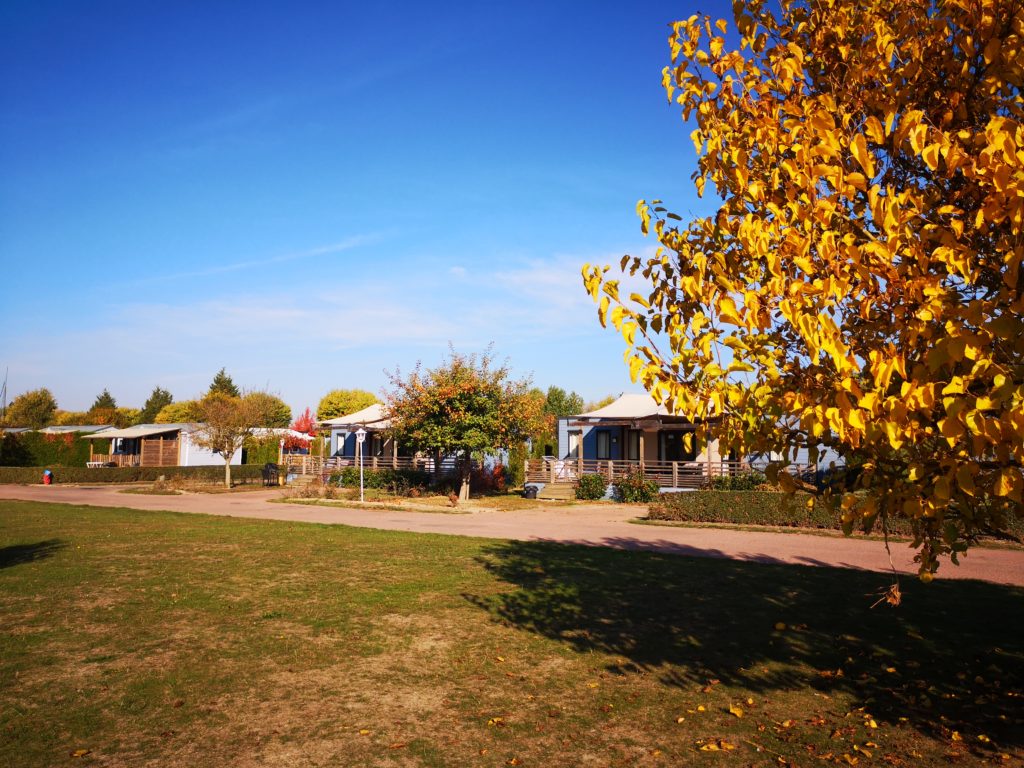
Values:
[(743, 507), (381, 478), (213, 474), (262, 451), (745, 481), (767, 508), (34, 449)]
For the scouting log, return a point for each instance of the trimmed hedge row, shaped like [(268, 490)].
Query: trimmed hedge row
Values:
[(381, 478), (767, 508), (34, 449), (34, 475), (745, 508)]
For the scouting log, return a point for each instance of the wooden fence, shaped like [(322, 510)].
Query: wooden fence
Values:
[(117, 459), (316, 465), (668, 474)]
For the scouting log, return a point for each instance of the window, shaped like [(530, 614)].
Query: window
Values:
[(673, 447), (604, 444), (574, 445)]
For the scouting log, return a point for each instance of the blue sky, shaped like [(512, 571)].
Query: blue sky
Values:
[(309, 194)]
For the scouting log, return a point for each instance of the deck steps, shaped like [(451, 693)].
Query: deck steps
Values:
[(558, 492)]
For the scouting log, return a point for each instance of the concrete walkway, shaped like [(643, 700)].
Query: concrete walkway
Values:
[(594, 525)]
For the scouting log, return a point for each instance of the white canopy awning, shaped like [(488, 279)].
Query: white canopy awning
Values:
[(628, 407), (371, 416)]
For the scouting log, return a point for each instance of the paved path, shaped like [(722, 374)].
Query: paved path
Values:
[(595, 525)]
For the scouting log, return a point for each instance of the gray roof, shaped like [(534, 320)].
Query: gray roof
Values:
[(64, 429)]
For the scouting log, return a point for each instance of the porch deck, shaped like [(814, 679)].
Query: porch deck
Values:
[(115, 459), (668, 474)]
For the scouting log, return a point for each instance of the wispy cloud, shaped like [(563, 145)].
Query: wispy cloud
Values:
[(320, 250)]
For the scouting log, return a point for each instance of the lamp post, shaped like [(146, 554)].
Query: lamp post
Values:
[(360, 438)]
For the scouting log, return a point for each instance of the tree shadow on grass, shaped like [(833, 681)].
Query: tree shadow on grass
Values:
[(18, 554), (951, 657)]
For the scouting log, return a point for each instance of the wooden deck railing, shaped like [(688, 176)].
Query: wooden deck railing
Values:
[(117, 459), (316, 465), (668, 474)]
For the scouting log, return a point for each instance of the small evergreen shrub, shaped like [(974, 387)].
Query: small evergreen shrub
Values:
[(591, 487), (635, 488)]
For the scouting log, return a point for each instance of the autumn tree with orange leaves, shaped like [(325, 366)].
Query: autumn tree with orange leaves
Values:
[(860, 285), (465, 406)]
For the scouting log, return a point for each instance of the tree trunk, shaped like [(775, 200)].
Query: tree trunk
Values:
[(227, 472), (467, 472), (437, 467)]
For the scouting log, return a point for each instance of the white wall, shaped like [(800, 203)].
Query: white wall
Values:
[(191, 455)]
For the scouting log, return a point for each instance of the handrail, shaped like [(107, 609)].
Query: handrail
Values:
[(668, 474)]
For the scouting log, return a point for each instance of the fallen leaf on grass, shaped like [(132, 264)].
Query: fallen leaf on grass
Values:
[(735, 710), (81, 752), (680, 719), (397, 745), (512, 761), (495, 721), (718, 746), (364, 732)]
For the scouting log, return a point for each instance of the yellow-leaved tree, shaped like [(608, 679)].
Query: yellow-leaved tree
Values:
[(860, 285)]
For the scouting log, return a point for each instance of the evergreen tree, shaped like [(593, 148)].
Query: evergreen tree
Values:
[(104, 401), (158, 400), (223, 385)]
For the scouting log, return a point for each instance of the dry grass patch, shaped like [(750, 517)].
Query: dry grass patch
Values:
[(178, 640)]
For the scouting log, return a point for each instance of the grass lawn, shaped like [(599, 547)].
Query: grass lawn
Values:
[(134, 638)]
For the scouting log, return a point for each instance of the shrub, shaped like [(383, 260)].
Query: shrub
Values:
[(636, 488), (484, 480), (744, 481), (590, 487), (772, 509), (213, 474), (398, 481), (34, 449), (262, 450)]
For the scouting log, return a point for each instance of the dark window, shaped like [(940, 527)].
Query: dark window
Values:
[(604, 444), (673, 447)]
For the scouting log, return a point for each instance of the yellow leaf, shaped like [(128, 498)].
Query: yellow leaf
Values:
[(81, 752), (930, 155), (859, 148), (727, 310), (735, 710)]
